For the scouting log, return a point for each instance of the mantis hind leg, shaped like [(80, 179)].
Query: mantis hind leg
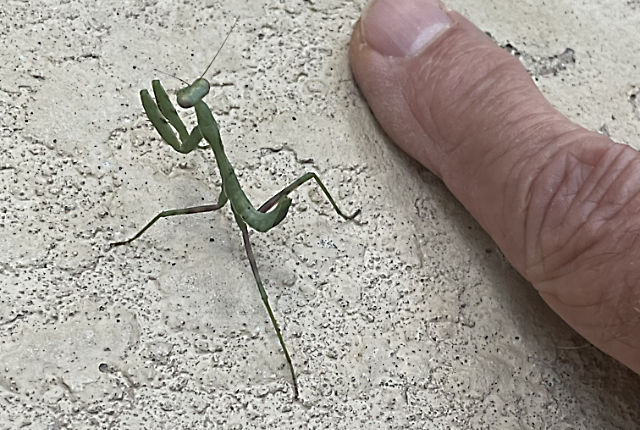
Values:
[(265, 299), (295, 184), (222, 200)]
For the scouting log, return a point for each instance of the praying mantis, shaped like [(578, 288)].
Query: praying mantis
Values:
[(165, 120)]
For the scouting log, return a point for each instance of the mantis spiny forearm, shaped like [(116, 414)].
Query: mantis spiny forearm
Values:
[(165, 120)]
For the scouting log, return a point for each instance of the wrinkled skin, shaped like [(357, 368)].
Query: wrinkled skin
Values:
[(562, 202)]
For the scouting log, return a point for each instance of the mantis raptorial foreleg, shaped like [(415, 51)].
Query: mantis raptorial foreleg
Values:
[(163, 116), (165, 120)]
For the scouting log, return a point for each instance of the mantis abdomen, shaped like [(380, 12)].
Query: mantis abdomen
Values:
[(231, 187)]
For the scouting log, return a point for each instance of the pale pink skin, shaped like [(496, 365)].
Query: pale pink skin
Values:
[(562, 202)]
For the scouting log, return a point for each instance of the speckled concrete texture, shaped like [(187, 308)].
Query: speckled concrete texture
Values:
[(408, 318)]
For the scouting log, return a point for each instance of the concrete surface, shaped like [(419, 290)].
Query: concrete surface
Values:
[(408, 318)]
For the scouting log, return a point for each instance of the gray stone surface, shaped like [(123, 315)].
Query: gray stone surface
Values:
[(408, 318)]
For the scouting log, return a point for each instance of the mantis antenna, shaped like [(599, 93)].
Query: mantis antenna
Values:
[(214, 57), (172, 76), (220, 48)]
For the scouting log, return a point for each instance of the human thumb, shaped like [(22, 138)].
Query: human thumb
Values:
[(563, 203)]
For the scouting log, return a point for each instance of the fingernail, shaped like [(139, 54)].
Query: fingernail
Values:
[(400, 28)]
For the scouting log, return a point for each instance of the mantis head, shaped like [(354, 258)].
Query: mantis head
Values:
[(192, 94), (189, 96)]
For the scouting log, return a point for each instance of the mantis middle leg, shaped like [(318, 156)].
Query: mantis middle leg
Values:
[(295, 184), (222, 200)]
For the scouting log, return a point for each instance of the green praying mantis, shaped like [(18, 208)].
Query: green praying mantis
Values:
[(165, 120)]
